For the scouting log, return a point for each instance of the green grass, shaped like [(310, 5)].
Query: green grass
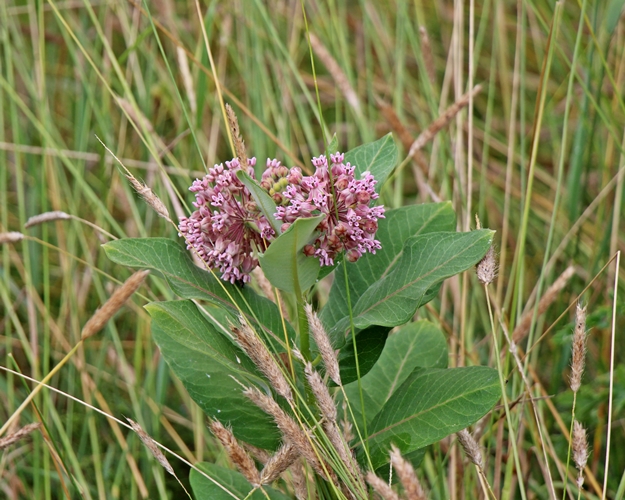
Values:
[(547, 145)]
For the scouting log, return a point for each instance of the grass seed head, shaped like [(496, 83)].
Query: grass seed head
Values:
[(236, 452), (113, 304), (579, 348), (580, 450)]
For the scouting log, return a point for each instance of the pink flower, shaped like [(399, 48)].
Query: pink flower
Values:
[(227, 226), (350, 223)]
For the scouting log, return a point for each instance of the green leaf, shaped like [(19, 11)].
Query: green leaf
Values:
[(431, 404), (379, 158), (397, 226), (370, 343), (284, 262), (265, 202), (212, 370), (416, 345), (190, 282), (333, 147), (425, 261), (226, 485)]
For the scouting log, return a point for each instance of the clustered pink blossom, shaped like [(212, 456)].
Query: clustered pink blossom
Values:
[(350, 223), (227, 226)]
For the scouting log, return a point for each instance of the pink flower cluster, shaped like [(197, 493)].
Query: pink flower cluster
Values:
[(349, 224), (227, 226)]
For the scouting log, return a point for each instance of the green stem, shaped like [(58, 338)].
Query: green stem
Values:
[(304, 334)]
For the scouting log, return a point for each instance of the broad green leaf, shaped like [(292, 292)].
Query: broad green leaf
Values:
[(416, 345), (379, 158), (284, 262), (369, 344), (397, 226), (190, 282), (212, 370), (226, 484), (431, 404), (425, 261), (265, 203)]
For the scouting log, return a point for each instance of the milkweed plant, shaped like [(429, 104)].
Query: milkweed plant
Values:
[(312, 396)]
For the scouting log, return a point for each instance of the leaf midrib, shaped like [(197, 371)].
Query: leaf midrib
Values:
[(428, 410)]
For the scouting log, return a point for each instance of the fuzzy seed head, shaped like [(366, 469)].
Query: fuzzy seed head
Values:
[(46, 217), (407, 476), (262, 358), (579, 348), (328, 354), (278, 463), (580, 450), (113, 304), (470, 447), (151, 445), (236, 452), (486, 269), (381, 487), (320, 390), (18, 435), (11, 237)]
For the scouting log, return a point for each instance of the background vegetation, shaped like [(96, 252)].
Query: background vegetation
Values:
[(536, 154)]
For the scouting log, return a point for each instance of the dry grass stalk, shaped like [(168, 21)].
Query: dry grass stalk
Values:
[(187, 79), (428, 58), (470, 447), (236, 452), (11, 237), (381, 488), (288, 426), (239, 144), (323, 343), (580, 450), (150, 198), (262, 358), (46, 217), (278, 463), (336, 73), (442, 121), (151, 445), (113, 304), (547, 299), (579, 348), (18, 435), (135, 115), (407, 476)]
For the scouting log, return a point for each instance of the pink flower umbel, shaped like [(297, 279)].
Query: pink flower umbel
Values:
[(350, 223), (227, 226)]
